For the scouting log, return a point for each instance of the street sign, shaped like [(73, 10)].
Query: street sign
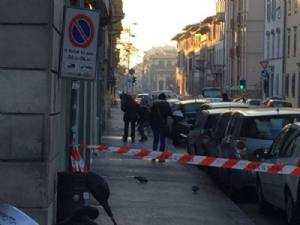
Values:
[(264, 64), (79, 48), (264, 74)]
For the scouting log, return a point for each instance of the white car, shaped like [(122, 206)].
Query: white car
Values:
[(282, 191)]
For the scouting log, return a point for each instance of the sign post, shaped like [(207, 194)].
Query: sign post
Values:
[(79, 47)]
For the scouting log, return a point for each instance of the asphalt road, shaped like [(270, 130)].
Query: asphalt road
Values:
[(167, 197)]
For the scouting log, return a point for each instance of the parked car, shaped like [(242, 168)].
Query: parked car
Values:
[(278, 103), (180, 125), (248, 131), (281, 191), (141, 96), (223, 105), (253, 103), (265, 102), (212, 94), (201, 136)]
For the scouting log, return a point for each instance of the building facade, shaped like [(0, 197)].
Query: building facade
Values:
[(41, 113), (201, 54), (292, 53), (274, 51), (244, 44), (159, 69)]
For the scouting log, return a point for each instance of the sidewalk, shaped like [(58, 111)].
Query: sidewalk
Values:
[(167, 197)]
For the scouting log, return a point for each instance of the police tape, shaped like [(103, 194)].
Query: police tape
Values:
[(77, 162), (206, 161)]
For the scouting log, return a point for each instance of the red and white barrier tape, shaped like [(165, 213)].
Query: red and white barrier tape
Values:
[(250, 166), (77, 162)]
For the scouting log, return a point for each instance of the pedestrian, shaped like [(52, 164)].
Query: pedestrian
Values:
[(144, 119), (160, 110), (131, 110)]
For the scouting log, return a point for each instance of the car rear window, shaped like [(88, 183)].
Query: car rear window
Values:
[(266, 127), (192, 107)]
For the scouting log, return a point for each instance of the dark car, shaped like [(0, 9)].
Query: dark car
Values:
[(201, 136), (184, 117)]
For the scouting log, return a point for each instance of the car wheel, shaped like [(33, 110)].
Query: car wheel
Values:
[(292, 210), (263, 206)]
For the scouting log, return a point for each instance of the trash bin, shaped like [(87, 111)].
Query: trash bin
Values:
[(72, 194), (12, 215)]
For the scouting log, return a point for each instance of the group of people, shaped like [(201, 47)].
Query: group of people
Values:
[(144, 115)]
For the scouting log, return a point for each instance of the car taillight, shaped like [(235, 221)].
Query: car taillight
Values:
[(240, 150), (298, 163)]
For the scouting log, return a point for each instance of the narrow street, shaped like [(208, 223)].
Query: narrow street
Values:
[(167, 197)]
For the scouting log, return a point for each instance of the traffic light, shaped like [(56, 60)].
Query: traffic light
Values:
[(242, 84)]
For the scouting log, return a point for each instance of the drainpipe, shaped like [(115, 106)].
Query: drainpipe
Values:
[(284, 47)]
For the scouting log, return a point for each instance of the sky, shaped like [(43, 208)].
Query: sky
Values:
[(157, 21)]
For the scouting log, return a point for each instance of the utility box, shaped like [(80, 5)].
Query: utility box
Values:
[(72, 194)]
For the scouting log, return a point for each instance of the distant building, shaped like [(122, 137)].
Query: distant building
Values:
[(159, 69), (200, 54), (292, 79)]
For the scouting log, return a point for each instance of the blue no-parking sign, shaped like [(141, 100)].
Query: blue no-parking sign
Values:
[(79, 49)]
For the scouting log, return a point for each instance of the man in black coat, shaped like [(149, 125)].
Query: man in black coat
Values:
[(131, 111), (160, 111)]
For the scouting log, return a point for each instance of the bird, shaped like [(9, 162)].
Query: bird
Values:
[(195, 189), (99, 188), (141, 179)]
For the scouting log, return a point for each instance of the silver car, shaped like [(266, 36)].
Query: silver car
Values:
[(282, 191), (247, 132)]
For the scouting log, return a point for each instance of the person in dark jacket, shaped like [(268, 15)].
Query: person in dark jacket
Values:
[(160, 111), (144, 119), (131, 110)]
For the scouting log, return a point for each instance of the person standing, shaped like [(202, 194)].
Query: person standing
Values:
[(131, 110), (144, 119), (160, 110)]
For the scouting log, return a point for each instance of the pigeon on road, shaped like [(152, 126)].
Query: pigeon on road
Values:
[(141, 179)]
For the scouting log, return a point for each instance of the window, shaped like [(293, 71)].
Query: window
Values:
[(289, 6), (295, 6), (295, 42), (287, 85), (289, 43), (277, 144), (293, 84), (287, 146), (278, 9), (266, 127), (269, 10), (273, 10), (268, 46), (273, 45), (278, 44)]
